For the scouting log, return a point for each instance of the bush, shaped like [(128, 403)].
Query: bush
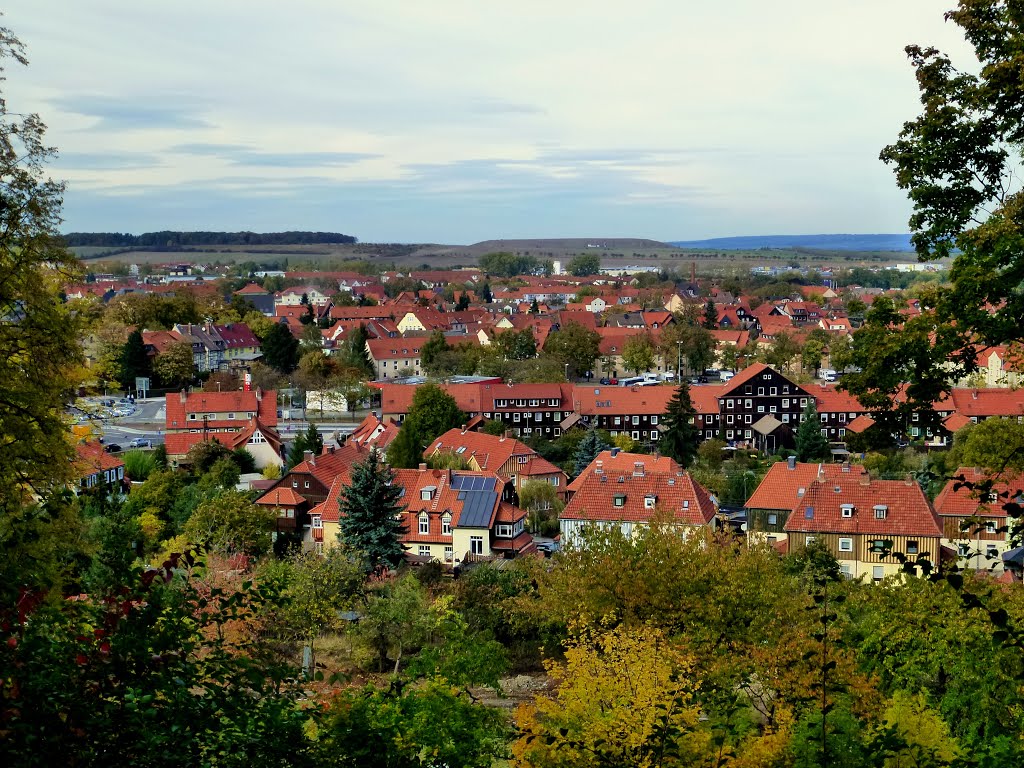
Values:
[(138, 465)]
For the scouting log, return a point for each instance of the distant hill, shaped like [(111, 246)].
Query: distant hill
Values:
[(172, 241), (569, 244), (821, 242)]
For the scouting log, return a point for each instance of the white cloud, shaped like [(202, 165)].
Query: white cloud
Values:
[(775, 112)]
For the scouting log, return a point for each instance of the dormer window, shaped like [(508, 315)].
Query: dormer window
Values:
[(847, 510), (446, 524), (649, 501), (881, 511), (620, 500), (424, 523), (426, 494)]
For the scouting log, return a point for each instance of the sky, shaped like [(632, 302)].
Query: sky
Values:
[(455, 121)]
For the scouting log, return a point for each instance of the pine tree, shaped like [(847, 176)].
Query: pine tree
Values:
[(811, 444), (281, 349), (295, 453), (463, 303), (681, 435), (534, 307), (369, 510), (355, 354), (134, 360), (314, 440), (587, 451), (710, 316), (485, 293)]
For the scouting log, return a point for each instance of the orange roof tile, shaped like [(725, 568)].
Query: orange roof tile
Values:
[(965, 502), (686, 501), (783, 488), (281, 497)]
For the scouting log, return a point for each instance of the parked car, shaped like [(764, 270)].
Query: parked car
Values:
[(138, 442), (609, 382), (113, 448)]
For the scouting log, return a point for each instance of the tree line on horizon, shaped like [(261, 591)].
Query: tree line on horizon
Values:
[(172, 240)]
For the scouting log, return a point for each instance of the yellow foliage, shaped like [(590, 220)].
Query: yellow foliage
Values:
[(624, 697), (152, 525)]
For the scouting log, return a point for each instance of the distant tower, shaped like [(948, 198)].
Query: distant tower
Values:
[(556, 267)]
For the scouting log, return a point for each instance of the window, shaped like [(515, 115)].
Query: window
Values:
[(880, 511), (845, 545), (424, 550), (760, 409), (728, 403), (426, 494), (449, 553), (990, 526), (911, 547), (877, 573), (748, 403), (760, 391), (636, 434), (785, 403), (654, 420), (424, 523), (515, 416), (620, 500), (773, 519), (649, 501), (476, 545), (963, 550), (446, 524), (317, 521), (774, 390), (992, 552), (305, 484), (847, 510), (809, 540), (505, 531)]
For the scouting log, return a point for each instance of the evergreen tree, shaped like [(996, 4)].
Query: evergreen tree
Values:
[(811, 444), (485, 293), (281, 349), (681, 435), (369, 511), (534, 307), (463, 303), (587, 451), (134, 360), (432, 413), (299, 447), (355, 355), (314, 440), (710, 316)]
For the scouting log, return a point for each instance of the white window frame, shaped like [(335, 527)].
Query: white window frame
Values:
[(845, 544)]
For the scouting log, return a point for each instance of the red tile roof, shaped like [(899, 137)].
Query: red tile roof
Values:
[(597, 401), (783, 488), (93, 457), (988, 402), (621, 463), (396, 348), (828, 399), (965, 502), (908, 512), (179, 405), (281, 497), (490, 451), (686, 501)]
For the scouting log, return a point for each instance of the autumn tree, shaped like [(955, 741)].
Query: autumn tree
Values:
[(175, 365), (575, 345), (231, 524), (638, 353)]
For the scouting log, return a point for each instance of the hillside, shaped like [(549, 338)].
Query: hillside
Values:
[(821, 242)]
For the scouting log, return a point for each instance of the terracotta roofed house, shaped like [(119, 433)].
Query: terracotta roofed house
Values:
[(863, 521), (974, 521), (238, 419)]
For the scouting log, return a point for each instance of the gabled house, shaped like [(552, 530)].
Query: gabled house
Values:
[(391, 357), (509, 458), (782, 489), (239, 419), (628, 500), (864, 521), (451, 516), (974, 524), (756, 392), (95, 468)]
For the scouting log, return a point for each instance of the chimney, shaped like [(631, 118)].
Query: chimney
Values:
[(423, 467), (909, 481), (638, 469), (974, 394), (599, 466), (463, 429), (308, 456), (865, 479), (791, 462), (183, 395), (330, 449), (615, 452)]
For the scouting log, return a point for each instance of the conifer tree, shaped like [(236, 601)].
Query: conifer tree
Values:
[(463, 303), (355, 354), (811, 444), (369, 511), (587, 451), (485, 293), (134, 360), (681, 435), (710, 316)]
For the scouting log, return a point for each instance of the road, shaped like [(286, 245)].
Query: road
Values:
[(147, 423)]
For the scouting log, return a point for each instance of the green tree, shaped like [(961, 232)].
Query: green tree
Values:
[(432, 352), (584, 265), (783, 350), (638, 353), (281, 349), (369, 514), (575, 345), (679, 440), (534, 307), (134, 361), (463, 303), (432, 413), (810, 355), (175, 365), (230, 524), (485, 293), (541, 499), (516, 345), (587, 450), (354, 353), (710, 319), (811, 444)]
